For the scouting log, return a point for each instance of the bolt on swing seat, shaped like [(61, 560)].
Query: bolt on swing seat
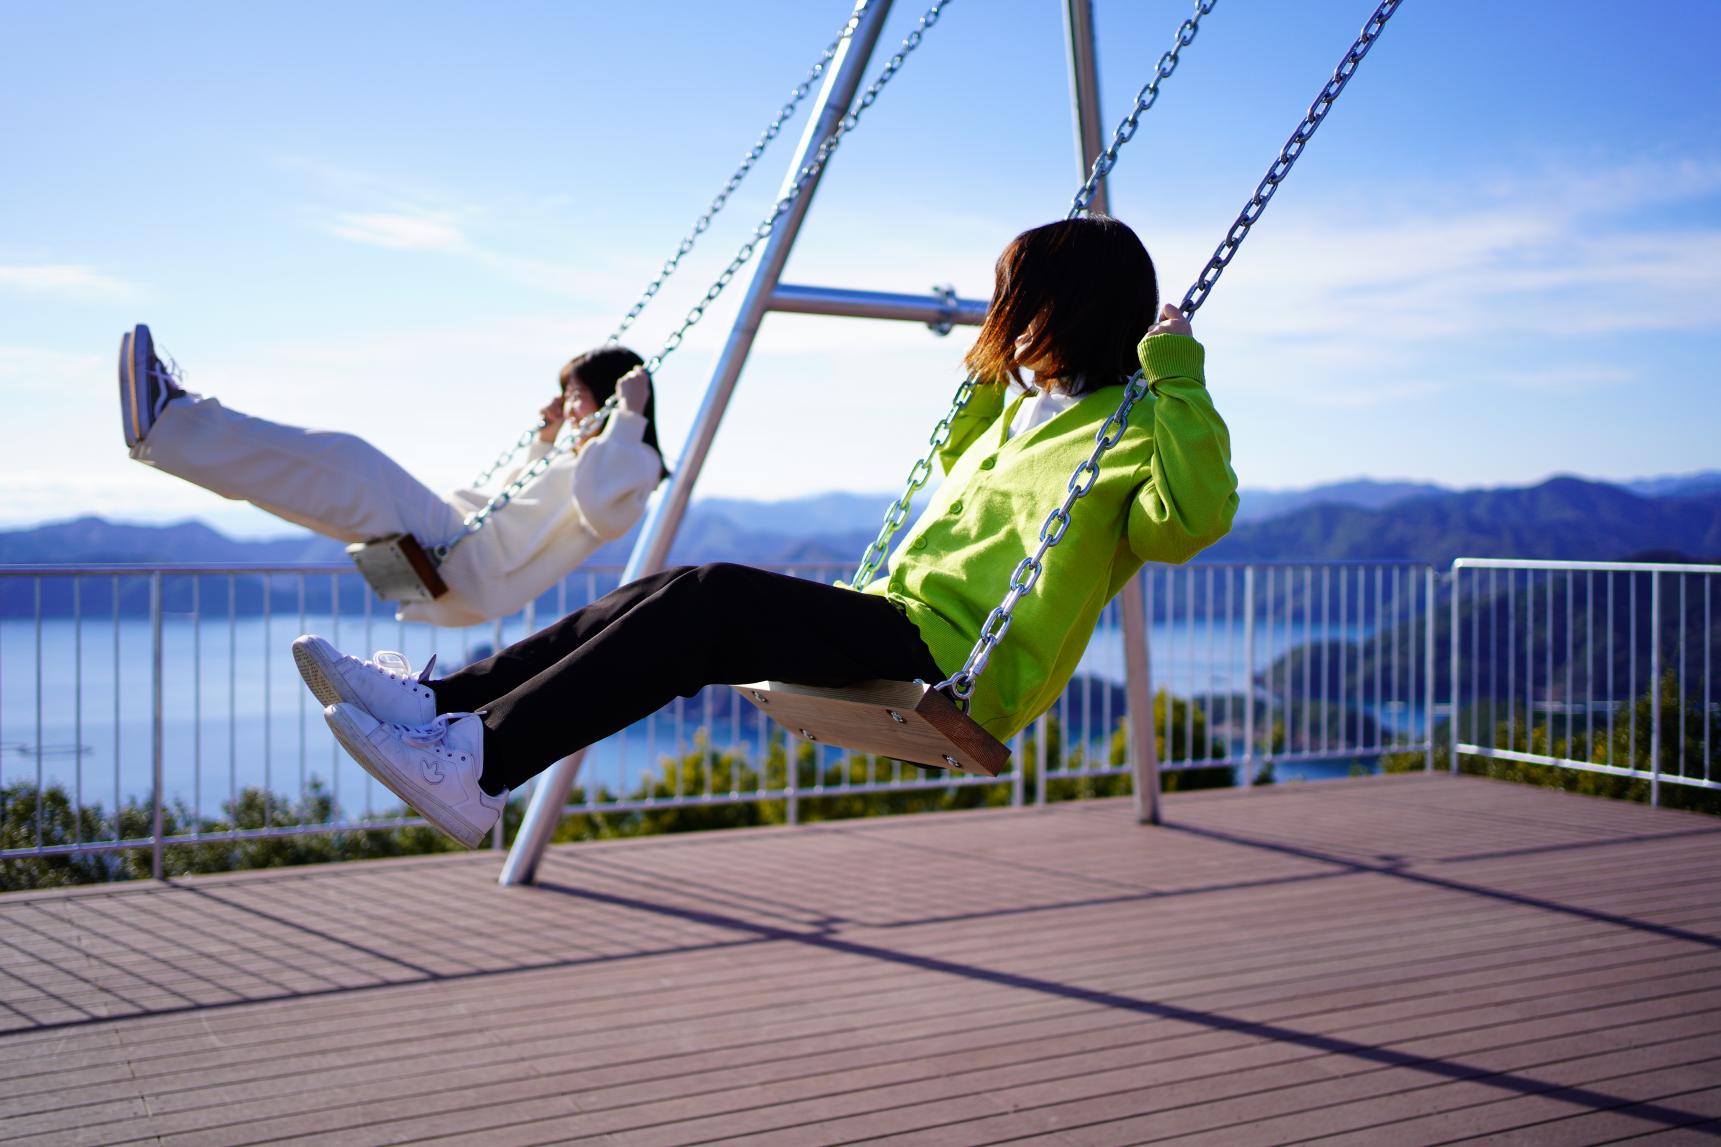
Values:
[(906, 720)]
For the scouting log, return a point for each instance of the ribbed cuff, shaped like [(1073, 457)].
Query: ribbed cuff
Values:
[(1171, 356)]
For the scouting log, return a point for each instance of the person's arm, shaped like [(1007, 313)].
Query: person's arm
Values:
[(616, 471), (1188, 494)]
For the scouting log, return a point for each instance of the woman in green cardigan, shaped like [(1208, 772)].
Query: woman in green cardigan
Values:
[(1075, 310)]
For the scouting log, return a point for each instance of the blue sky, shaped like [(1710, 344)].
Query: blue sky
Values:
[(1500, 258)]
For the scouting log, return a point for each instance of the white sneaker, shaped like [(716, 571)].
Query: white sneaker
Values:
[(433, 767), (385, 687)]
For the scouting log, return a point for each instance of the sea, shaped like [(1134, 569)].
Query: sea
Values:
[(78, 704)]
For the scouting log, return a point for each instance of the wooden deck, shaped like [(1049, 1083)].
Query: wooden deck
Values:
[(1385, 961)]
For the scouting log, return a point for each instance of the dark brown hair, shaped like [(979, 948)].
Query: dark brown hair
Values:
[(1087, 290), (599, 370)]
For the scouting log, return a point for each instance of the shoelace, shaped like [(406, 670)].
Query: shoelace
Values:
[(171, 379), (383, 659), (432, 736)]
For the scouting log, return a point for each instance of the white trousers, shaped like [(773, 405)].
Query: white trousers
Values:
[(336, 484)]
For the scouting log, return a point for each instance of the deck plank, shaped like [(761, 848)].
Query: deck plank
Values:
[(1421, 958)]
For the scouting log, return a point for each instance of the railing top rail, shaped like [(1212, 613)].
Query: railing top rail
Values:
[(1317, 563), (105, 569), (1620, 567)]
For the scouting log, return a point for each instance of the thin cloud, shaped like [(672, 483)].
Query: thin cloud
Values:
[(400, 231), (62, 278)]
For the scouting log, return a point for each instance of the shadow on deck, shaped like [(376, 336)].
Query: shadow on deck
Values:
[(1394, 960)]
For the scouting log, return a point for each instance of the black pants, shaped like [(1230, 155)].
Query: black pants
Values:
[(626, 655)]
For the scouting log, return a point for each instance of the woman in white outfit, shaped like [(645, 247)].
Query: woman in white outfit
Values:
[(343, 487)]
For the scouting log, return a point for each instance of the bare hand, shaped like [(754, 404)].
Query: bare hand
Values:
[(635, 390), (552, 416), (1171, 322)]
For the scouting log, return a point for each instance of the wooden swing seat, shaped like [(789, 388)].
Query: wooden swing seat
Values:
[(907, 720), (398, 568)]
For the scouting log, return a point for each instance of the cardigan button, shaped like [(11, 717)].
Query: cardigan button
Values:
[(956, 506), (988, 463), (918, 544)]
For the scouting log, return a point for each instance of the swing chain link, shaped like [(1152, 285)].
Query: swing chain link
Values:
[(772, 130), (1144, 100), (918, 475), (1052, 531), (476, 520), (879, 550), (1281, 167)]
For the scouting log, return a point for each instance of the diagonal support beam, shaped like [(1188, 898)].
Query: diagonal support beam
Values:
[(663, 519)]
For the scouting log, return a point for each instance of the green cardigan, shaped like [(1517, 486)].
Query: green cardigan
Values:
[(1165, 492)]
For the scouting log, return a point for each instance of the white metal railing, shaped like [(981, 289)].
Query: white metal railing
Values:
[(141, 704), (1604, 667)]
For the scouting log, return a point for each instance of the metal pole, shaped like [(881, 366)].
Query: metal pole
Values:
[(1042, 729), (1428, 673), (842, 81), (1249, 676), (1138, 685), (1452, 729), (1138, 689), (937, 311), (1654, 688), (1085, 93), (155, 859), (663, 519)]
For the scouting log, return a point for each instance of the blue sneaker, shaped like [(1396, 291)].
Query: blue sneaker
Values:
[(146, 384)]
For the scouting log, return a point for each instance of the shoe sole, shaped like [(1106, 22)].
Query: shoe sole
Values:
[(128, 391), (134, 405), (318, 679), (359, 747)]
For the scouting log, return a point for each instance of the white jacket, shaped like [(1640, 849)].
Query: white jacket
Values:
[(583, 500)]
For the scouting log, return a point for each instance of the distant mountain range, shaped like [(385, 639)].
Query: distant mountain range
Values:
[(1567, 518)]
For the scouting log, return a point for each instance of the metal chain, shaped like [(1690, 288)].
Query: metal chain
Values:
[(1144, 99), (701, 224), (772, 129), (807, 173), (1052, 531), (921, 472), (475, 521), (1287, 156), (1027, 573)]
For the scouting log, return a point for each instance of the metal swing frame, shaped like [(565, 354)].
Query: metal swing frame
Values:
[(766, 292)]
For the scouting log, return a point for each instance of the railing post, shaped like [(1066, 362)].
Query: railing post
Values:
[(791, 779), (1452, 667), (1428, 694), (1654, 688), (155, 859), (1248, 676)]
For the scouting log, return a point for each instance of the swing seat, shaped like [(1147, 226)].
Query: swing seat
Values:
[(398, 568), (908, 720)]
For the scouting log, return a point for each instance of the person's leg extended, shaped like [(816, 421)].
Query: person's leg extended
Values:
[(336, 484), (706, 625), (472, 688)]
